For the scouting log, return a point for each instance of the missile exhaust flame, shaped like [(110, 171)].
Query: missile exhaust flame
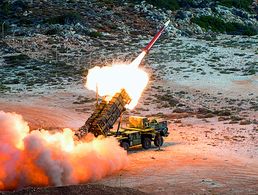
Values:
[(137, 61), (111, 79)]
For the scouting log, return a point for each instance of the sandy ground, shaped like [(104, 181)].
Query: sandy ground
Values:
[(203, 156), (191, 163)]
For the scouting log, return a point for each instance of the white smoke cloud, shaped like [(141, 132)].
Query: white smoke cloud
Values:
[(40, 158)]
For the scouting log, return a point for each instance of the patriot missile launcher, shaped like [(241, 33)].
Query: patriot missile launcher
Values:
[(107, 112)]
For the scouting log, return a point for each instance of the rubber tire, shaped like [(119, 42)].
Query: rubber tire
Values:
[(125, 145), (158, 141), (146, 143)]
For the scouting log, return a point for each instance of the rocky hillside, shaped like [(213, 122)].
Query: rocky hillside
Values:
[(104, 17), (54, 42)]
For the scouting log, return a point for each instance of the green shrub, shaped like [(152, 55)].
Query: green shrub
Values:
[(4, 88), (95, 34), (218, 25), (193, 3), (208, 22), (17, 59), (4, 26), (109, 1), (26, 21), (5, 8), (167, 4), (66, 18), (176, 4), (236, 28), (242, 4), (52, 31)]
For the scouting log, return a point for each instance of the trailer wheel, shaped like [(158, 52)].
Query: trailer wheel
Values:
[(146, 143), (158, 141), (125, 145)]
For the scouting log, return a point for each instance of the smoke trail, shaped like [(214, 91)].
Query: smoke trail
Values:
[(137, 61), (41, 158)]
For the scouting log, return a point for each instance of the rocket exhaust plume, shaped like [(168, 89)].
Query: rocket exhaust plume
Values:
[(111, 79), (137, 61), (41, 158)]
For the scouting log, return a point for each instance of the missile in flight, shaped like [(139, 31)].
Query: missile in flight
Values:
[(156, 37), (136, 62)]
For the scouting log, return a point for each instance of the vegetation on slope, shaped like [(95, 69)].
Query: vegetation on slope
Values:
[(218, 25), (241, 4), (176, 4)]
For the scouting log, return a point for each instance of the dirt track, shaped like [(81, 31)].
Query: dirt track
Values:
[(94, 189)]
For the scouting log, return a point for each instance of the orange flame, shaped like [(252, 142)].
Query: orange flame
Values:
[(109, 80)]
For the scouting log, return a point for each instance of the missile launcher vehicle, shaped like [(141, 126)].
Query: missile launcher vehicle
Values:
[(141, 131)]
